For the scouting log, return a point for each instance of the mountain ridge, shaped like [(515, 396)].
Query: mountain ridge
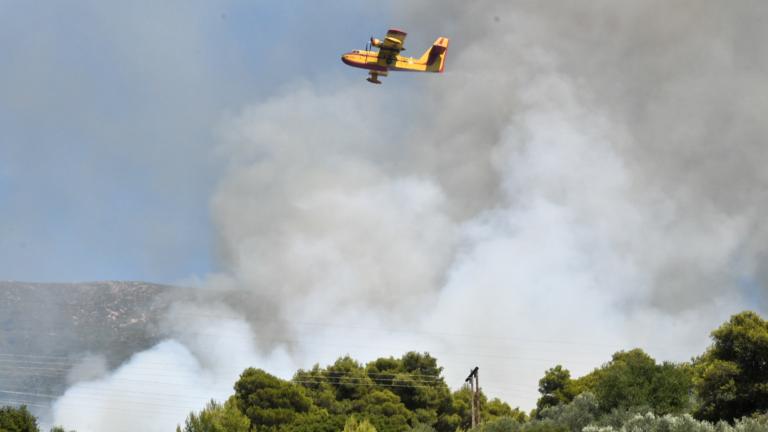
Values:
[(47, 328)]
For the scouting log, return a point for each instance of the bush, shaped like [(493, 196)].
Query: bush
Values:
[(584, 410), (682, 423)]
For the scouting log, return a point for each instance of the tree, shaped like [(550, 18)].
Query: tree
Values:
[(318, 385), (353, 425), (501, 424), (17, 420), (415, 378), (626, 380), (268, 401), (348, 378), (496, 409), (316, 420), (385, 410), (732, 375), (410, 387), (573, 416), (672, 389), (462, 406), (216, 417), (555, 388), (633, 379)]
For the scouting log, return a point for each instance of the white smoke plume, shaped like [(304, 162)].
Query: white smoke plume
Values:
[(584, 178), (156, 389)]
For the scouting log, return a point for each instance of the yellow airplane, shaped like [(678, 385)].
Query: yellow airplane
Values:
[(388, 58)]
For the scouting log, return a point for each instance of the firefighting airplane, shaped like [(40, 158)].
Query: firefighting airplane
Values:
[(388, 58)]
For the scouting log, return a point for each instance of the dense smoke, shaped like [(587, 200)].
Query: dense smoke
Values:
[(584, 178)]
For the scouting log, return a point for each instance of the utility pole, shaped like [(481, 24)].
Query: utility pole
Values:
[(477, 395), (474, 388), (471, 382)]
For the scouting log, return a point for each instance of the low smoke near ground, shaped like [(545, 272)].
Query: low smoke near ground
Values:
[(583, 179)]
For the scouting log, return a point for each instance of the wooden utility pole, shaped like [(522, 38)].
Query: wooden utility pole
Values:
[(477, 395), (472, 400), (474, 388)]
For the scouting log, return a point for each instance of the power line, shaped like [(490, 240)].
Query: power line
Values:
[(62, 371), (42, 364)]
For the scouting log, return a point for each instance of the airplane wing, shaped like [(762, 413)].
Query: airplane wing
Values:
[(394, 41)]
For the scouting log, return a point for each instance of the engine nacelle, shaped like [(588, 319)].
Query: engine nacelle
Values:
[(375, 42)]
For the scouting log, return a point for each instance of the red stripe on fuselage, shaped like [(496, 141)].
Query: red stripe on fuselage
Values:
[(369, 66)]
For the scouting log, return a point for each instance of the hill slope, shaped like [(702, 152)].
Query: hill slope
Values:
[(47, 328)]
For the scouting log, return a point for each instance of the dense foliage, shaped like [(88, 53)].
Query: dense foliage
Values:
[(353, 425), (647, 422), (17, 420), (630, 379), (555, 387), (216, 417), (732, 375), (724, 390), (392, 394)]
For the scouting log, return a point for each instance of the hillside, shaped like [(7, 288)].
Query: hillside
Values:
[(46, 328)]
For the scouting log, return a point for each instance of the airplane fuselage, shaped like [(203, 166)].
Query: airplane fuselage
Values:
[(371, 60)]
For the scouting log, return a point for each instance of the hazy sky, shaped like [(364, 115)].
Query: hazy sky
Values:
[(108, 117)]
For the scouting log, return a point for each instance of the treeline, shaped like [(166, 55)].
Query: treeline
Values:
[(727, 382), (724, 389), (385, 395)]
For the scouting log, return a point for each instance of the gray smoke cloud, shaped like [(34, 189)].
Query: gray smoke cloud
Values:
[(584, 178), (89, 368)]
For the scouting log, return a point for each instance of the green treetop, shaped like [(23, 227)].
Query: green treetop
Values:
[(732, 375), (268, 401)]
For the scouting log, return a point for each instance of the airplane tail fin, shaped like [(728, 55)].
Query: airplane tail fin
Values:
[(434, 57)]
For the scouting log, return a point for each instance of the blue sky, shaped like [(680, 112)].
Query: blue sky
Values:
[(108, 116)]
